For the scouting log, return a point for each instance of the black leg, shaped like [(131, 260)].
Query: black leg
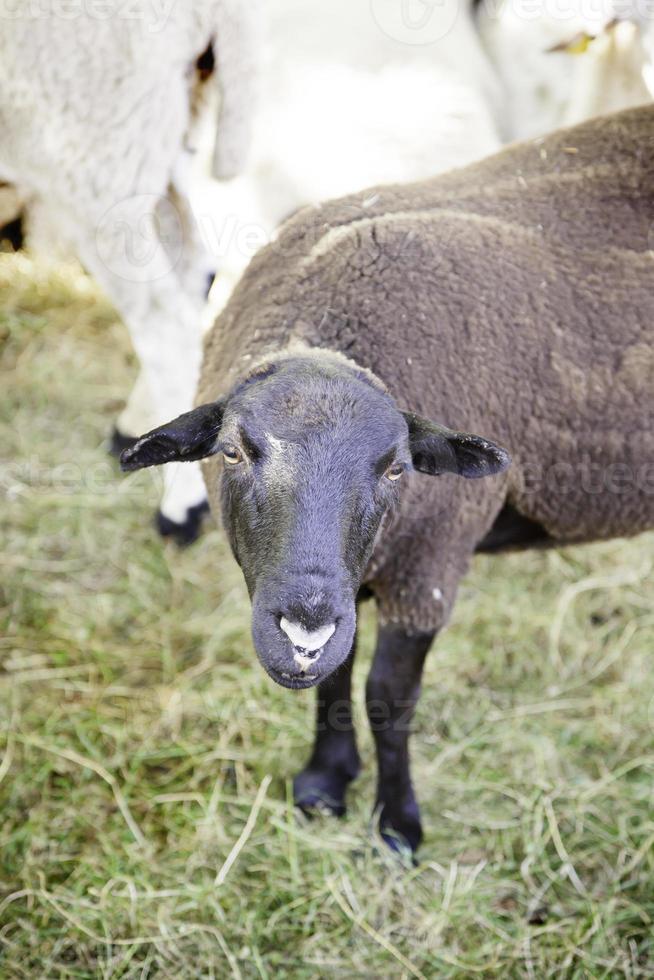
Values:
[(334, 762), (392, 691)]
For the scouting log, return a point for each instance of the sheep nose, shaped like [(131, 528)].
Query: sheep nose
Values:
[(307, 644)]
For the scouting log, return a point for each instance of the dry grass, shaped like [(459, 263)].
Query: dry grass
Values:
[(145, 757)]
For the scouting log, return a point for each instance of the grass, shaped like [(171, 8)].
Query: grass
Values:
[(145, 758)]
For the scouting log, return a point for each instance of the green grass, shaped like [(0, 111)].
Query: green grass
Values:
[(141, 744)]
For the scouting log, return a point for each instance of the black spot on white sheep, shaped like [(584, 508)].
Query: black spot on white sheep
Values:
[(512, 298)]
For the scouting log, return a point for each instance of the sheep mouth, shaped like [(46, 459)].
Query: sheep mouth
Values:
[(305, 663), (296, 682), (305, 669)]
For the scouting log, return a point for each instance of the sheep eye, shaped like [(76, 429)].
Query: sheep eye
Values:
[(232, 455), (395, 471)]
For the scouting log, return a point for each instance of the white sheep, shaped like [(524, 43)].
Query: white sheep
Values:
[(563, 62), (101, 108), (360, 94), (355, 94)]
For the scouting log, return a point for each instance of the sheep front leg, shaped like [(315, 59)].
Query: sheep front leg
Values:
[(136, 418), (167, 339), (334, 762), (392, 691), (131, 254)]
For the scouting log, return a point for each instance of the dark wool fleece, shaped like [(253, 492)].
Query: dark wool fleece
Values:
[(512, 298)]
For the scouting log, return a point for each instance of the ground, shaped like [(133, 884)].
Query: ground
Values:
[(145, 757)]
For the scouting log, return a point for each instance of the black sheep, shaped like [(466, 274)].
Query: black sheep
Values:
[(513, 298)]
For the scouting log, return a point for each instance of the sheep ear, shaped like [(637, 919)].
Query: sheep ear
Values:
[(436, 449), (188, 437)]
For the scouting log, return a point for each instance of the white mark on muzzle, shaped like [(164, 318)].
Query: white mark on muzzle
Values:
[(306, 643)]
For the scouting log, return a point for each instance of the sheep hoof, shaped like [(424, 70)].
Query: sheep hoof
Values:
[(188, 531), (402, 832), (399, 845), (118, 441), (320, 791)]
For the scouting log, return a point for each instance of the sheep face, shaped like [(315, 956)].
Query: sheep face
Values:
[(315, 454)]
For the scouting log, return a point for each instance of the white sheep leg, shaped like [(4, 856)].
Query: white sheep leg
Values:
[(194, 270), (127, 256), (167, 340), (168, 343), (195, 266), (138, 415)]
